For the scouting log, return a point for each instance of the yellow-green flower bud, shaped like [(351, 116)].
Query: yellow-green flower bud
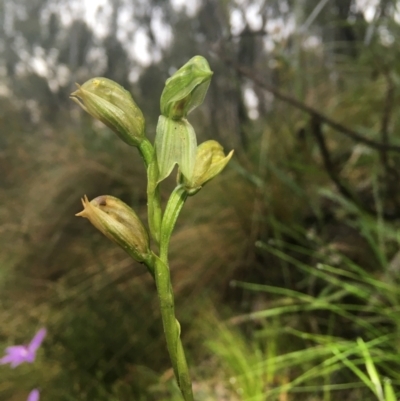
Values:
[(210, 161), (110, 103), (175, 144), (118, 222), (186, 89)]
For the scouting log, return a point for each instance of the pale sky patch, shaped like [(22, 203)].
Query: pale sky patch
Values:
[(140, 48), (162, 31), (96, 12), (368, 8), (237, 22), (189, 6), (251, 102), (253, 17)]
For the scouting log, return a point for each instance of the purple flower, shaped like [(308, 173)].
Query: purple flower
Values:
[(17, 354), (33, 395)]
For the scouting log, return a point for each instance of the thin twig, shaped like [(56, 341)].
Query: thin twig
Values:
[(354, 135), (391, 175), (387, 112), (315, 126), (331, 170)]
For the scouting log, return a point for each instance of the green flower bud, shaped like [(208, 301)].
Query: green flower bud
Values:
[(210, 161), (186, 89), (175, 143), (110, 103), (118, 222)]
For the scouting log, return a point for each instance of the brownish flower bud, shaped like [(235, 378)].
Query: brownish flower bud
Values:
[(110, 103), (118, 222)]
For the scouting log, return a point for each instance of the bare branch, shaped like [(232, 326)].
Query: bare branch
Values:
[(316, 130), (350, 133)]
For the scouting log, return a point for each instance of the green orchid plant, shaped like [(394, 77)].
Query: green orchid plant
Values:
[(175, 144)]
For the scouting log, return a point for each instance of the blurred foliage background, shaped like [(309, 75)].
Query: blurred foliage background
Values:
[(286, 267)]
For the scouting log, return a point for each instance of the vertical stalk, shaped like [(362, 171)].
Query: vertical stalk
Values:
[(172, 328), (161, 230), (166, 296), (153, 194)]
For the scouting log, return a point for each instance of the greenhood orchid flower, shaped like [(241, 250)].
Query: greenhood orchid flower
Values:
[(119, 223), (175, 141), (186, 89), (210, 161), (110, 103)]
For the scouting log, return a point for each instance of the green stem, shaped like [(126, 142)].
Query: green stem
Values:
[(161, 230), (147, 151), (149, 263), (153, 194), (172, 328), (166, 296)]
